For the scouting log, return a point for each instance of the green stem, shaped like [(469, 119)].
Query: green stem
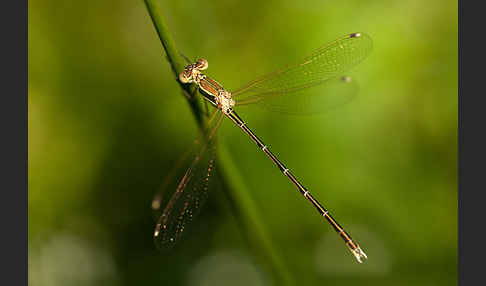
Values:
[(173, 56), (237, 193), (250, 220)]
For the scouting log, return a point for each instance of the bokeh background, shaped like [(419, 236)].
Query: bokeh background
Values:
[(107, 122)]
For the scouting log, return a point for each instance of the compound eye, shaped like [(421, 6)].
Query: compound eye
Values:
[(185, 77), (202, 64)]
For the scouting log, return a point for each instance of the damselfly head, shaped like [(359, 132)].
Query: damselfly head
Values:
[(202, 64), (186, 75)]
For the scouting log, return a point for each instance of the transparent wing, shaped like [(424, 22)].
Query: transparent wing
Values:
[(314, 100), (169, 182), (191, 192), (327, 62)]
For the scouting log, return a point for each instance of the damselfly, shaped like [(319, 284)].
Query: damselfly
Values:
[(326, 65)]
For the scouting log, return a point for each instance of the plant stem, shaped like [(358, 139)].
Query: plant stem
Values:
[(173, 56), (249, 218), (245, 210)]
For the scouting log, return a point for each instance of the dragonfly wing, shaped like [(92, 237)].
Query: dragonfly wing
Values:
[(327, 62), (190, 194), (315, 100)]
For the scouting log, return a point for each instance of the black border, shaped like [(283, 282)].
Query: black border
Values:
[(471, 143), (13, 118)]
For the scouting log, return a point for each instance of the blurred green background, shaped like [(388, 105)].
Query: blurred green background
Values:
[(107, 121)]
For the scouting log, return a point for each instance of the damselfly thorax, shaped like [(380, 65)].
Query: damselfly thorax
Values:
[(210, 88)]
